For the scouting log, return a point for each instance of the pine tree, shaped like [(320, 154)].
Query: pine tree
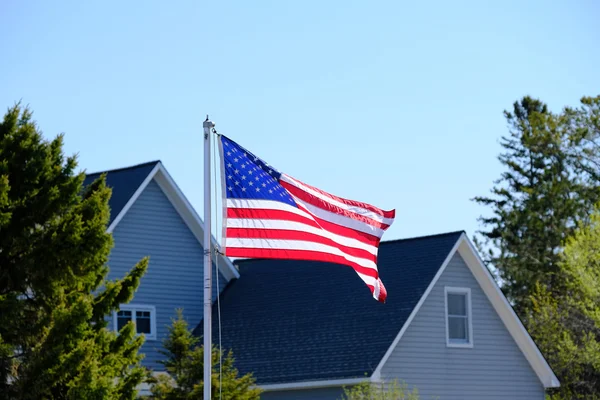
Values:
[(54, 341), (184, 364), (550, 184)]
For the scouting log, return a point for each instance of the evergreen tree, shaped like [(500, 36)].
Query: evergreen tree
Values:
[(567, 325), (550, 184), (54, 341), (185, 366)]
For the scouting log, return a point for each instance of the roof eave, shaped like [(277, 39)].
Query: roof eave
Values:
[(313, 384)]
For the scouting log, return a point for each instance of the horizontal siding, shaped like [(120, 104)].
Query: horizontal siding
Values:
[(332, 393), (152, 227), (494, 368)]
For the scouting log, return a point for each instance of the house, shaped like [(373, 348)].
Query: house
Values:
[(306, 329)]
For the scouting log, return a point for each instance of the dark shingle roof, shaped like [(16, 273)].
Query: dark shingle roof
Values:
[(124, 182), (290, 321)]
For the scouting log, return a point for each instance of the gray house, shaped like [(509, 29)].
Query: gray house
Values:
[(306, 329)]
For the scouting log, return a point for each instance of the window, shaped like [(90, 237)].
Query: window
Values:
[(459, 325), (123, 317), (143, 317)]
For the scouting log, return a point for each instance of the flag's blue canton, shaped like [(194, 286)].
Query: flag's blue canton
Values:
[(249, 177)]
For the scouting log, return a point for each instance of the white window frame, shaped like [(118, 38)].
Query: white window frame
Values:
[(138, 307), (459, 290)]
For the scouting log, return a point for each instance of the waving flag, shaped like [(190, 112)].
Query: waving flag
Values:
[(269, 214)]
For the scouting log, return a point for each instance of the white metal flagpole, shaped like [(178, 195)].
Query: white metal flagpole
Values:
[(207, 125)]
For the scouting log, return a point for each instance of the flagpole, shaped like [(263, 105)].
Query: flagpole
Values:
[(207, 125)]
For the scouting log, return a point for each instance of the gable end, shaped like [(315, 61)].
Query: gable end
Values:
[(128, 185), (500, 304)]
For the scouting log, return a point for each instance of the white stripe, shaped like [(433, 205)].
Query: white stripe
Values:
[(283, 244), (267, 205), (339, 219), (256, 223), (354, 209), (369, 280), (376, 290)]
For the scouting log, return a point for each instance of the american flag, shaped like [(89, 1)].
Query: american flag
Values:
[(268, 214)]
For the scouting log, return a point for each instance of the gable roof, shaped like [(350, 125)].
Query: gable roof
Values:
[(289, 321), (124, 182), (299, 324), (128, 184)]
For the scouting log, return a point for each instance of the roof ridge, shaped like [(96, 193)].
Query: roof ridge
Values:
[(435, 235), (124, 168), (424, 236)]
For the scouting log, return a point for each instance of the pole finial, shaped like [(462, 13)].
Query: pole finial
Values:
[(208, 124)]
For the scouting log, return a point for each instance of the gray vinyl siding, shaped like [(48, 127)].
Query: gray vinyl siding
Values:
[(330, 393), (174, 279), (494, 368)]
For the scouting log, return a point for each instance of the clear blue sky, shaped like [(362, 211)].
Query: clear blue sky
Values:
[(394, 103)]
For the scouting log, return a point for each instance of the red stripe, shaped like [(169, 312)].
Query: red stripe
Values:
[(366, 206), (297, 235), (260, 213), (297, 255), (317, 202), (382, 292)]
